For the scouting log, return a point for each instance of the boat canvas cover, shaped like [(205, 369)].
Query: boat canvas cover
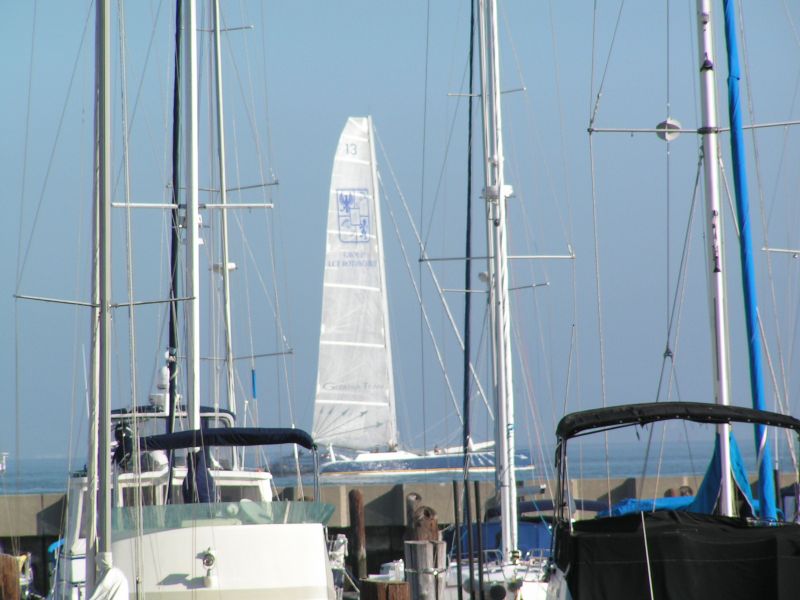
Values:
[(576, 423), (535, 537), (691, 556), (227, 436), (354, 403), (707, 496)]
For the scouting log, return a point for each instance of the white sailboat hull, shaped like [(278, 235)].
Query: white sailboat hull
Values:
[(280, 561), (274, 561), (260, 549)]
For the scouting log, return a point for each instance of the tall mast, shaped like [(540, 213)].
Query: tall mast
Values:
[(175, 217), (94, 389), (103, 559), (223, 198), (192, 218), (496, 192), (709, 130), (467, 439), (766, 485)]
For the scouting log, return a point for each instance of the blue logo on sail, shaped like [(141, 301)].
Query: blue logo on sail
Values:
[(354, 217)]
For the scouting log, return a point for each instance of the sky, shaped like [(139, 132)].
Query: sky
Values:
[(620, 202)]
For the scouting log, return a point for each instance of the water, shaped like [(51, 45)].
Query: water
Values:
[(36, 476), (626, 459)]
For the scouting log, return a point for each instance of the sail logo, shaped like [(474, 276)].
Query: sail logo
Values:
[(354, 217), (361, 386)]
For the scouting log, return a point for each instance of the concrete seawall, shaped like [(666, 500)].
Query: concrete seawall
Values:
[(37, 515), (30, 523)]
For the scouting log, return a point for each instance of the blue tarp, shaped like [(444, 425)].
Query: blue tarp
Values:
[(707, 496), (534, 537)]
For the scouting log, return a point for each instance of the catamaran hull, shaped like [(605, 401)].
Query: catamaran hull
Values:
[(406, 467)]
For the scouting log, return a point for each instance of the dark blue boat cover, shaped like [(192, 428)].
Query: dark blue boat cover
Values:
[(228, 436)]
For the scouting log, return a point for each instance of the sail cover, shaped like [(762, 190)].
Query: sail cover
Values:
[(354, 404)]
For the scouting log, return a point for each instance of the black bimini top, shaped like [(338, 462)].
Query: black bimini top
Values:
[(641, 414), (228, 436)]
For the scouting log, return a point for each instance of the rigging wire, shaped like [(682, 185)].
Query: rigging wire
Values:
[(596, 234), (530, 241), (24, 178), (667, 156), (424, 316), (784, 390), (22, 254), (125, 172), (440, 291), (789, 19), (441, 178), (247, 90), (671, 305), (569, 233), (782, 399), (267, 120), (431, 272), (674, 321), (423, 395), (593, 108), (51, 158)]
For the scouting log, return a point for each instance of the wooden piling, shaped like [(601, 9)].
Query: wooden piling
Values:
[(9, 577), (385, 590), (358, 536), (426, 569)]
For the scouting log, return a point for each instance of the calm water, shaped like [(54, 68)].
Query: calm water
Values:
[(36, 476), (625, 459)]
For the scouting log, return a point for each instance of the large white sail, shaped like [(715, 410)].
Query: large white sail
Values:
[(354, 404)]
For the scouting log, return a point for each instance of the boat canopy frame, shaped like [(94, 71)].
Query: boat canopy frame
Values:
[(597, 420), (234, 437), (590, 421)]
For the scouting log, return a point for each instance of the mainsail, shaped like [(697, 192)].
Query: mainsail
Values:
[(354, 404)]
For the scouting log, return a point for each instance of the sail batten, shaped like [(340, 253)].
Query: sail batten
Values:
[(353, 287), (351, 344), (354, 404)]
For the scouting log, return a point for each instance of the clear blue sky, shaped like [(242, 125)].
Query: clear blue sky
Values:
[(324, 61)]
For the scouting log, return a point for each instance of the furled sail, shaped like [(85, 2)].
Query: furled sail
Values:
[(354, 404)]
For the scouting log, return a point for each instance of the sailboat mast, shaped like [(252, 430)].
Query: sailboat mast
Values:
[(103, 203), (766, 486), (192, 218), (223, 198), (175, 219), (709, 130), (496, 193)]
